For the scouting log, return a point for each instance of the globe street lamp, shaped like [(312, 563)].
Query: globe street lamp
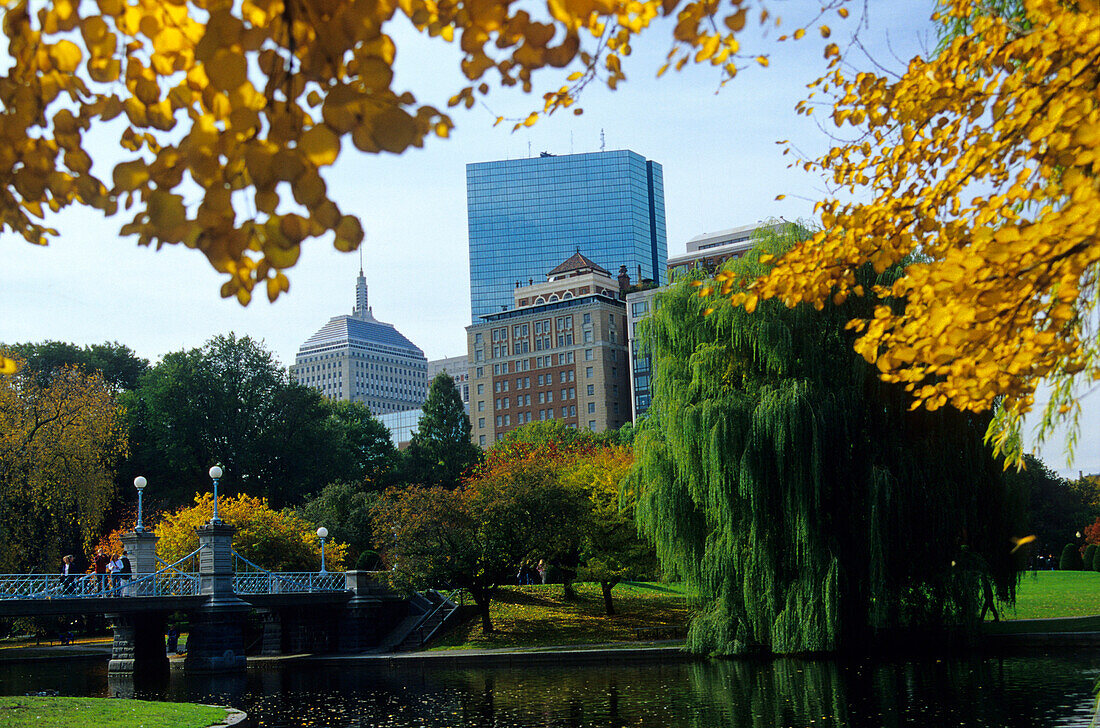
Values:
[(215, 475), (139, 482), (322, 533)]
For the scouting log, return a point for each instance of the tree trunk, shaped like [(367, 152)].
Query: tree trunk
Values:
[(606, 587), (481, 599)]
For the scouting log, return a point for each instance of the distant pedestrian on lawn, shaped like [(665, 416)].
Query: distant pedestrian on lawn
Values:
[(542, 570)]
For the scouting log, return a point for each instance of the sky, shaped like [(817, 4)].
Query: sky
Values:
[(722, 168)]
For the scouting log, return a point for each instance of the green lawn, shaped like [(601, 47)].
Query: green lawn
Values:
[(36, 712), (538, 616), (1056, 594)]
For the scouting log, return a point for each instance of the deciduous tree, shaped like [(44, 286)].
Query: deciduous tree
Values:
[(611, 549), (275, 540), (804, 498), (476, 536), (119, 366), (976, 169), (229, 402), (59, 446)]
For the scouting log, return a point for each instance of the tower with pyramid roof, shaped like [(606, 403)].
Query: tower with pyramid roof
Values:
[(358, 358)]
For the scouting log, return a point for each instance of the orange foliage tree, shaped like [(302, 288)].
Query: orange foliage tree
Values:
[(511, 510)]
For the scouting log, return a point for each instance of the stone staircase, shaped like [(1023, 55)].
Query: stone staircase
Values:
[(435, 611)]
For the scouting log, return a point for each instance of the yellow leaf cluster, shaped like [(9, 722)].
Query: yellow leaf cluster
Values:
[(229, 111), (981, 167)]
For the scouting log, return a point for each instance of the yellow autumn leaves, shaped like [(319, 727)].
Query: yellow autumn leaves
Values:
[(981, 170), (229, 111)]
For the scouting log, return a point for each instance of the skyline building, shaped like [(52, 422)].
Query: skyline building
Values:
[(527, 215), (560, 353), (358, 358)]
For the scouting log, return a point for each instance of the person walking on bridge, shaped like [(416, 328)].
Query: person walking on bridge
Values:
[(101, 560), (67, 574)]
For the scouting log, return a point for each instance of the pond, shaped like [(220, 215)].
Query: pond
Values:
[(1009, 691)]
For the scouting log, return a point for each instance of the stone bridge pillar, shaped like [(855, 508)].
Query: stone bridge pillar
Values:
[(142, 548), (138, 644), (138, 638), (371, 613), (216, 640)]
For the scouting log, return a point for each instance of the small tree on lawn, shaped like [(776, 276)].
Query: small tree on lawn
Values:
[(611, 550), (474, 537)]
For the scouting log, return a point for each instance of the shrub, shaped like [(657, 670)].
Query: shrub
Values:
[(1089, 557), (1071, 559)]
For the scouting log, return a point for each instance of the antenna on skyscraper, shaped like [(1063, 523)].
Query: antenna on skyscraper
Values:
[(528, 147), (360, 259), (602, 143)]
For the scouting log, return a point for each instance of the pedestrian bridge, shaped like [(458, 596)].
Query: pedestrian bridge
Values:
[(33, 594), (222, 596)]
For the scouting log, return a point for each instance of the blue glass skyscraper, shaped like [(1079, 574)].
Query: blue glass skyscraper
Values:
[(528, 215)]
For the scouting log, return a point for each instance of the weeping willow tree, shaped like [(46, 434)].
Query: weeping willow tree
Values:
[(803, 498)]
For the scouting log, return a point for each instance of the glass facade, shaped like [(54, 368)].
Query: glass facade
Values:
[(528, 215)]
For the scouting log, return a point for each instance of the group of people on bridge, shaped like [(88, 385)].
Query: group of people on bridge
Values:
[(112, 572)]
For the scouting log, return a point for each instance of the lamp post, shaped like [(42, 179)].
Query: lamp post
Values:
[(215, 475), (139, 482), (322, 533)]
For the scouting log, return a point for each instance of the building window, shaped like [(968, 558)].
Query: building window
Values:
[(572, 375), (591, 408), (542, 397), (480, 372), (481, 440), (499, 420), (587, 318), (588, 355), (564, 411), (588, 337), (481, 423), (564, 394), (550, 396), (592, 424), (572, 410), (481, 389), (572, 393), (481, 405), (588, 372), (477, 338), (616, 408), (562, 376)]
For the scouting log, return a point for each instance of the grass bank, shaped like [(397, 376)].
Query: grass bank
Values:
[(539, 616), (1057, 594), (1066, 601), (35, 712)]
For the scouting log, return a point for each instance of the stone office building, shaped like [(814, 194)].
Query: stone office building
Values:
[(559, 353)]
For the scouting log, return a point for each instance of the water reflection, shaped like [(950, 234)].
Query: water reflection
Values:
[(1015, 692)]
